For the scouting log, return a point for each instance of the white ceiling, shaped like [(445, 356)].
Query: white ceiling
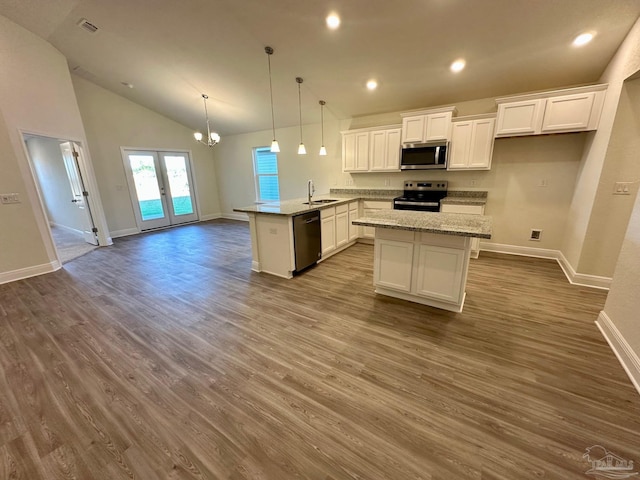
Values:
[(173, 51)]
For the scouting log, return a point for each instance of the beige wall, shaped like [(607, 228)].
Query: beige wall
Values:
[(515, 200), (625, 62), (610, 213), (36, 95), (55, 188), (111, 122)]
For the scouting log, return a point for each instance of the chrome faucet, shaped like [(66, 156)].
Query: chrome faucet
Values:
[(310, 190)]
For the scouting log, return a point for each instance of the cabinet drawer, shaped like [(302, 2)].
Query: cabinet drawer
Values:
[(341, 208), (377, 205), (470, 209), (353, 206), (327, 212)]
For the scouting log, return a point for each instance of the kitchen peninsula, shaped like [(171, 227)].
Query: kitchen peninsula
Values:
[(423, 257)]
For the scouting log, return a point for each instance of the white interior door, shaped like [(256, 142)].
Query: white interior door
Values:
[(161, 188), (70, 153)]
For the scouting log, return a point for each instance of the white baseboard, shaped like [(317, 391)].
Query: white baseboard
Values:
[(243, 217), (581, 279), (21, 273), (64, 227), (621, 348), (124, 233), (211, 216)]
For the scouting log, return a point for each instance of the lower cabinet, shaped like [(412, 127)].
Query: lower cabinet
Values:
[(336, 228), (421, 265), (470, 209), (369, 206), (328, 230), (354, 214)]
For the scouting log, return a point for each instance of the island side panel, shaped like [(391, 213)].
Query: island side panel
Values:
[(274, 240)]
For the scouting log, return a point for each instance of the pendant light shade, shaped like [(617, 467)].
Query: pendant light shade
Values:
[(275, 148), (212, 137), (323, 151), (301, 149)]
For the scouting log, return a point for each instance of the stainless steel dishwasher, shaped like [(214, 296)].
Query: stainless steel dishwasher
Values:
[(307, 239)]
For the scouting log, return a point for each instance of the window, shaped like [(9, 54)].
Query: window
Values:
[(265, 167)]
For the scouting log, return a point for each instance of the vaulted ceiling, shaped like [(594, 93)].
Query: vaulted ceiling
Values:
[(173, 51)]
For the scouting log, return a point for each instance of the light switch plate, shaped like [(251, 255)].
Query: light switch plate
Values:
[(622, 188), (8, 198)]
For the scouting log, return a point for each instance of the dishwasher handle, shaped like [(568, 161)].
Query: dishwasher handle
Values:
[(311, 220)]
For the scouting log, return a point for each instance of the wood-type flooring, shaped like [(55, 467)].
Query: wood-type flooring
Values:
[(165, 357)]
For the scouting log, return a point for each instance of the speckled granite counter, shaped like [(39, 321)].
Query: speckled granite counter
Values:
[(464, 197), (297, 205), (458, 224)]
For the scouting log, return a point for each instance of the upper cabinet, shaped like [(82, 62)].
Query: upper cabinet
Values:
[(561, 111), (371, 150), (427, 125), (472, 143)]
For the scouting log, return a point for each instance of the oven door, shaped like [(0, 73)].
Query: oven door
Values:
[(416, 205)]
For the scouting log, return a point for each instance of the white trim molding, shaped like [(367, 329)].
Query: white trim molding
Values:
[(621, 348), (580, 279), (124, 232), (35, 270), (236, 216), (211, 216)]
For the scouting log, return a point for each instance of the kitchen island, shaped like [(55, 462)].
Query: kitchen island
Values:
[(423, 257)]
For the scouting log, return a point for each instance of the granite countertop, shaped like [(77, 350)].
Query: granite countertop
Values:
[(465, 197), (368, 193), (459, 224), (297, 205)]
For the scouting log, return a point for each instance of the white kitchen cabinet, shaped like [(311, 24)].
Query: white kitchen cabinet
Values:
[(394, 262), (560, 111), (369, 206), (471, 144), (568, 113), (342, 225), (355, 151), (375, 149), (448, 262), (471, 210), (427, 125), (520, 118), (354, 214), (384, 148), (328, 230)]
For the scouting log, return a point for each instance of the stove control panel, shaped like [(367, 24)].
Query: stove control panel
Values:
[(426, 185)]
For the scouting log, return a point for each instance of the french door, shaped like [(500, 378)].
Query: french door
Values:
[(161, 187)]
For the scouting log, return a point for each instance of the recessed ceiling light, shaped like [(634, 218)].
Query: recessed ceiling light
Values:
[(333, 21), (372, 84), (583, 39), (458, 65)]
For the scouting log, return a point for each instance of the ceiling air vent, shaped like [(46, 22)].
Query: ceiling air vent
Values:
[(87, 25)]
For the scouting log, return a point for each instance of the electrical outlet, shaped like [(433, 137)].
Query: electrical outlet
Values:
[(273, 231), (543, 183), (622, 188), (536, 234), (473, 182), (387, 182), (8, 198)]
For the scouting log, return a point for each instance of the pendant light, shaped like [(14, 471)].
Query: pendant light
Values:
[(275, 148), (301, 149), (323, 151), (212, 137)]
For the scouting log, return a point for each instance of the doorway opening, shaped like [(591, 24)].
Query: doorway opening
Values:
[(58, 178), (161, 188)]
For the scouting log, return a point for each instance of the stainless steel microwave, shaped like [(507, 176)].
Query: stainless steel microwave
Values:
[(425, 156)]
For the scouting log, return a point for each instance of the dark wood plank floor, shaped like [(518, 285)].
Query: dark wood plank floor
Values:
[(165, 357)]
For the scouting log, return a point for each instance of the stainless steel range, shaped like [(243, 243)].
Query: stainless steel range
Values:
[(422, 195)]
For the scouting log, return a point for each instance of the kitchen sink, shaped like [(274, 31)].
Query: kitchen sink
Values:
[(321, 201)]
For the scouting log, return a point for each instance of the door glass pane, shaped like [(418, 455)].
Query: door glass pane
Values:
[(146, 181), (179, 184)]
